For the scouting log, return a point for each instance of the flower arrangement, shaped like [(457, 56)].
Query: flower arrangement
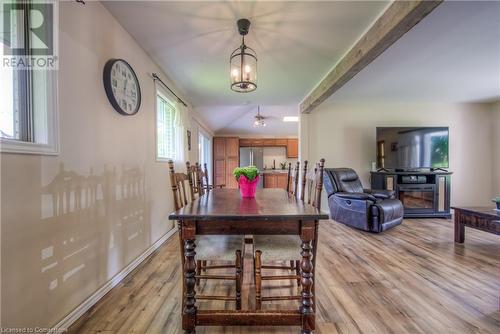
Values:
[(497, 201), (247, 177)]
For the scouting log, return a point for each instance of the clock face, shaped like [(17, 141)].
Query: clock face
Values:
[(122, 87)]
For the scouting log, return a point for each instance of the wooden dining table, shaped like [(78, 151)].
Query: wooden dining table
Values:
[(271, 212)]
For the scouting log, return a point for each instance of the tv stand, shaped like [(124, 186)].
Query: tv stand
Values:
[(423, 193), (438, 169)]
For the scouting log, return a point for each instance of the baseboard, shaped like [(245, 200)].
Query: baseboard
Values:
[(80, 310)]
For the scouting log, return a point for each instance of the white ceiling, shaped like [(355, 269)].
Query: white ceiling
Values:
[(238, 120), (453, 56), (297, 42)]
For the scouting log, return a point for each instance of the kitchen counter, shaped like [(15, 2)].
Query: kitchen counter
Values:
[(277, 171)]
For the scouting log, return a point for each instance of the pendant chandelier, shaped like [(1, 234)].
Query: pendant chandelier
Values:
[(243, 63)]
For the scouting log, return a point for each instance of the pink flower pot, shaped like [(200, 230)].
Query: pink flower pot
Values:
[(247, 187)]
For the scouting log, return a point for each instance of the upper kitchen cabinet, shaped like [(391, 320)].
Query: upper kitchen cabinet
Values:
[(281, 142), (289, 143), (232, 147), (292, 148)]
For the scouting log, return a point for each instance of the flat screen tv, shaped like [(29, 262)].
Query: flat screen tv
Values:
[(410, 148)]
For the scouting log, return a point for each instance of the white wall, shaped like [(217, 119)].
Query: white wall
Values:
[(278, 154), (55, 256), (496, 147), (344, 134)]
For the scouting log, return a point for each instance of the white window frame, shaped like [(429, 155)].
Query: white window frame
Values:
[(159, 90), (52, 147)]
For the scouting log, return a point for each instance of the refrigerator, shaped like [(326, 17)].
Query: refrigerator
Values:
[(253, 156)]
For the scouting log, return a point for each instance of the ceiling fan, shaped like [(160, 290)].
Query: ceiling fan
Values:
[(259, 119)]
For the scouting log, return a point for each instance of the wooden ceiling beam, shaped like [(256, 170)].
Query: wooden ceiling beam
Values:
[(397, 20)]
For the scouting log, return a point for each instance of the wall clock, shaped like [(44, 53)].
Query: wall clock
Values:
[(122, 87)]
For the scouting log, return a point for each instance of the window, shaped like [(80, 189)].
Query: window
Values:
[(204, 151), (165, 131), (28, 122)]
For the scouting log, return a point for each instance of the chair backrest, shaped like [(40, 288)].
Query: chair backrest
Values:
[(303, 183), (292, 185), (182, 196), (346, 180), (194, 173), (204, 177), (313, 184)]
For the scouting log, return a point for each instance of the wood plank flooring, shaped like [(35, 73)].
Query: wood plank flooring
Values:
[(411, 279)]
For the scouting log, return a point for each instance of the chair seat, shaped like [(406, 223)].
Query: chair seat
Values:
[(278, 247), (218, 247)]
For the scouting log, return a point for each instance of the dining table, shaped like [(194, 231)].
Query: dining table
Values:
[(270, 212)]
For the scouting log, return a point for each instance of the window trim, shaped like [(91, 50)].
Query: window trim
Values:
[(52, 147), (160, 91)]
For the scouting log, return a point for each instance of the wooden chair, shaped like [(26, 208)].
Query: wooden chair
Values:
[(194, 178), (293, 179), (209, 248), (206, 186), (280, 248)]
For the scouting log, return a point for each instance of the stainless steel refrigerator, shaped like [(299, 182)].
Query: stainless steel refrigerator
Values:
[(253, 156)]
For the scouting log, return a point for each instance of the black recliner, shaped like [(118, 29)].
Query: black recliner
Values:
[(365, 209)]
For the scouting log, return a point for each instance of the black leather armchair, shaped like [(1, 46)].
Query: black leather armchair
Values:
[(364, 209)]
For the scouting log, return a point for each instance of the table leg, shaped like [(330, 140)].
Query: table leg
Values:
[(306, 266), (459, 228), (189, 311)]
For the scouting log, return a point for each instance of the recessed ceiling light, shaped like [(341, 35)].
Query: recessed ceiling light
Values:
[(291, 119)]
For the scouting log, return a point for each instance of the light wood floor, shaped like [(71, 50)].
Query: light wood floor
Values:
[(411, 279)]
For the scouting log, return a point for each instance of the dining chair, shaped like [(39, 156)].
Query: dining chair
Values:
[(206, 186), (194, 179), (274, 248), (215, 249), (293, 179)]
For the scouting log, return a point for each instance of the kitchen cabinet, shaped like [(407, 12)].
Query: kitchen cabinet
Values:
[(226, 152), (232, 147), (292, 148), (245, 142), (281, 180), (281, 142), (231, 164), (275, 180), (269, 180), (270, 142)]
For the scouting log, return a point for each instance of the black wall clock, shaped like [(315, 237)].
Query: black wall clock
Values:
[(122, 87)]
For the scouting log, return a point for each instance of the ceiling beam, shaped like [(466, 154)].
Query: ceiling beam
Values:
[(397, 20)]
